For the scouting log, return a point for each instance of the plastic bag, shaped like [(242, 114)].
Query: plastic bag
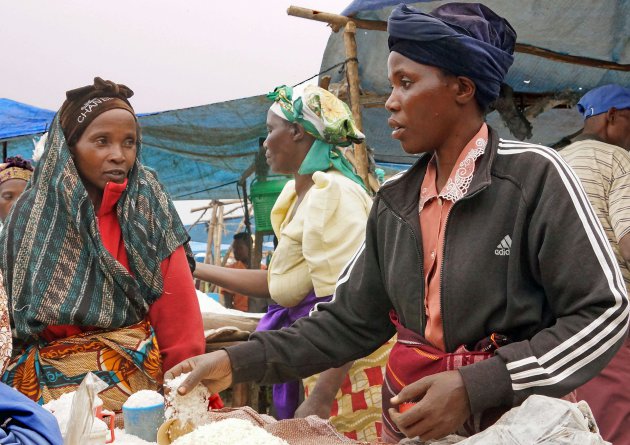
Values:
[(542, 420), (82, 411)]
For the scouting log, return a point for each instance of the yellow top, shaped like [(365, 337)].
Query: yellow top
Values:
[(326, 230)]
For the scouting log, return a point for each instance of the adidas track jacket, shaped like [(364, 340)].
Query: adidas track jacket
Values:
[(524, 256)]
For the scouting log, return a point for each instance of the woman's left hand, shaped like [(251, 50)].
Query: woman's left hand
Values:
[(442, 406)]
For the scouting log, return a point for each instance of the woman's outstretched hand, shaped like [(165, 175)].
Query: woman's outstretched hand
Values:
[(214, 370)]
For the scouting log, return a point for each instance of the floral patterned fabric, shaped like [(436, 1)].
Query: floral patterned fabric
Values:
[(127, 359), (5, 329), (328, 120)]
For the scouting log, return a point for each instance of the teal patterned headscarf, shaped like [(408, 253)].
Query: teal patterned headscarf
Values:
[(328, 120), (57, 270)]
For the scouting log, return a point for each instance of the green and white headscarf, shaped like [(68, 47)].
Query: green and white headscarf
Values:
[(328, 120)]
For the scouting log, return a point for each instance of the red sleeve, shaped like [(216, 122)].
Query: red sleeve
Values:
[(176, 316)]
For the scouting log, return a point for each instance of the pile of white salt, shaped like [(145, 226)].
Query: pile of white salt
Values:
[(144, 398), (192, 407), (229, 432)]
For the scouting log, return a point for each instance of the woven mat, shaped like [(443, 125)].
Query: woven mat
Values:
[(308, 431)]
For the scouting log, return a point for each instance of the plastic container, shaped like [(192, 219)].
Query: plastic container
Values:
[(98, 435), (263, 195), (171, 430), (144, 422), (108, 417)]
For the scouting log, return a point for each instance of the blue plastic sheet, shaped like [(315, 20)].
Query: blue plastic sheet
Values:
[(597, 30)]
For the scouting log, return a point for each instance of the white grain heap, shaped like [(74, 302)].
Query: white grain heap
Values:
[(229, 432)]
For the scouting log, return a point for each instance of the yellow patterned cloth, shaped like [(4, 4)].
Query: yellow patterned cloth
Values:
[(127, 359), (356, 411)]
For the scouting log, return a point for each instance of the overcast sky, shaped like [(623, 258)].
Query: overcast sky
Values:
[(173, 54)]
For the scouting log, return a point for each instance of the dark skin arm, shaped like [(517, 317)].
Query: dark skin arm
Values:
[(442, 406), (624, 246), (250, 282), (320, 401)]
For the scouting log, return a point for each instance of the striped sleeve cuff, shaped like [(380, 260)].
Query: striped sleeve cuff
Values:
[(488, 384)]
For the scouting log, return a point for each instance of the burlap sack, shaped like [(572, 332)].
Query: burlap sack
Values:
[(308, 431)]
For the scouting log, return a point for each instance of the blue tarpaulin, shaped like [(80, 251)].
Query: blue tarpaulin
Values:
[(198, 152), (18, 119), (597, 30)]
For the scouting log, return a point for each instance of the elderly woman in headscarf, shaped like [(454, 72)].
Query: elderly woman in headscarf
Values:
[(15, 172), (23, 421), (95, 260), (319, 219), (485, 256)]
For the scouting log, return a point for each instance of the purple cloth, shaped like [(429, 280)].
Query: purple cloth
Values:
[(286, 395)]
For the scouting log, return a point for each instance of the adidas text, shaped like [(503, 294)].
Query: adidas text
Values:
[(503, 249)]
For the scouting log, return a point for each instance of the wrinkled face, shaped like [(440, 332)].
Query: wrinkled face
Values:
[(619, 129), (10, 191), (421, 104), (106, 151), (280, 146)]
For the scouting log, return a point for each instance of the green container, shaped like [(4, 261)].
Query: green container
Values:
[(263, 194)]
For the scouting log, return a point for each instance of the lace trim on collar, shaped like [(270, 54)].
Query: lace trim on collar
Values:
[(457, 185)]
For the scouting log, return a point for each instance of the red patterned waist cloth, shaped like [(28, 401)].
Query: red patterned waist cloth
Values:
[(413, 358)]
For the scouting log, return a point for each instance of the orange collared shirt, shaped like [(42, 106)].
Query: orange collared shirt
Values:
[(434, 209)]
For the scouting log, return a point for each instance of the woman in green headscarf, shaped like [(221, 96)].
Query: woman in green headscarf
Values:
[(319, 219)]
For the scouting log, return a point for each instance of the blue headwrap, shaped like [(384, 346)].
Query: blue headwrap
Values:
[(466, 39)]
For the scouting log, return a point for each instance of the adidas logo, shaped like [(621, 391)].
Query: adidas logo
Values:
[(503, 249)]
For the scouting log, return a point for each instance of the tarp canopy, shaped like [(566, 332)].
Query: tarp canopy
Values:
[(201, 152), (198, 152), (598, 31)]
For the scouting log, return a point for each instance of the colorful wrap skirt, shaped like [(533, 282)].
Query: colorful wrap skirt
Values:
[(127, 359), (413, 358)]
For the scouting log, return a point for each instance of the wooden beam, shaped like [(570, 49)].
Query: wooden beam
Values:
[(337, 21), (352, 71), (568, 58)]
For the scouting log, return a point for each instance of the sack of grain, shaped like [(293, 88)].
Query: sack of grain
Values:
[(293, 431)]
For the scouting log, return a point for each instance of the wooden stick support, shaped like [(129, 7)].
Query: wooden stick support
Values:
[(218, 235), (352, 71), (337, 22)]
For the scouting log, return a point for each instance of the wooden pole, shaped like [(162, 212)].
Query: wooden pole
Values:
[(352, 71), (337, 22), (205, 286), (211, 225), (218, 235)]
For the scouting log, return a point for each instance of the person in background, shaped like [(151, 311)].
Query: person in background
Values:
[(95, 258), (241, 249), (319, 220), (23, 422), (600, 159), (485, 256), (15, 172)]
